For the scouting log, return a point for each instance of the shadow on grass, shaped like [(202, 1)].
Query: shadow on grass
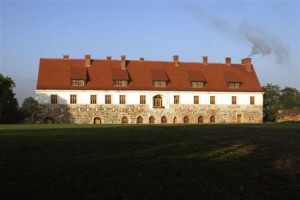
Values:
[(151, 162)]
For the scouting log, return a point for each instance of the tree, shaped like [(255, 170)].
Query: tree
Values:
[(28, 106), (290, 98), (9, 109), (276, 99), (271, 102)]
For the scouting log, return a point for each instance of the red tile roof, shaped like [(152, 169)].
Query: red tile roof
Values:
[(57, 74)]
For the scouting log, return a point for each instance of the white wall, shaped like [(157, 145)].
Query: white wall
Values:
[(133, 97)]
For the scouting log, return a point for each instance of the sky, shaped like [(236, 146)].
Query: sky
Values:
[(268, 31)]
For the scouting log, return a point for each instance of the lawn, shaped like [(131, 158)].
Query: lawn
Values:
[(254, 161)]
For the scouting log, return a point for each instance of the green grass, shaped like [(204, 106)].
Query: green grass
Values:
[(256, 161)]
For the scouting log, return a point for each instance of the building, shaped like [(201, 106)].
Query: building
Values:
[(119, 91)]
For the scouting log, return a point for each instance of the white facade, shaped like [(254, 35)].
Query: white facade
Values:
[(133, 97)]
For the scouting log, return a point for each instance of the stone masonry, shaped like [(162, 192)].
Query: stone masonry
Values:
[(113, 114)]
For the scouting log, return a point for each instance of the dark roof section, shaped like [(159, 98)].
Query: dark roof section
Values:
[(196, 76), (231, 76), (120, 74), (78, 73), (57, 73), (159, 75)]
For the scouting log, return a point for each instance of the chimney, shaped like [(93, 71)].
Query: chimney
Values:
[(176, 60), (87, 60), (205, 60), (247, 63), (66, 57), (123, 62), (108, 57), (142, 59), (228, 61)]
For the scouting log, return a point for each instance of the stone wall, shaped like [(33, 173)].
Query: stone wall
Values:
[(288, 115), (113, 114)]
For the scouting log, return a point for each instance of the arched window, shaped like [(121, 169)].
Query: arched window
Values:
[(49, 120), (124, 120), (186, 120), (239, 118), (200, 119), (175, 120), (163, 119), (157, 101), (97, 120), (212, 119), (139, 120), (151, 120)]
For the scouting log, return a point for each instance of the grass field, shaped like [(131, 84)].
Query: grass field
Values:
[(256, 161)]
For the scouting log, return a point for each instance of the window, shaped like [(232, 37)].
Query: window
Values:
[(120, 83), (122, 99), (233, 100), (54, 99), (142, 99), (159, 83), (196, 99), (212, 100), (76, 82), (157, 101), (234, 85), (176, 99), (197, 84), (252, 100), (73, 99), (93, 99), (107, 99)]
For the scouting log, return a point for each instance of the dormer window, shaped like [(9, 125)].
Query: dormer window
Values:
[(159, 78), (159, 83), (197, 84), (78, 82), (232, 79), (78, 76), (196, 79), (120, 77), (121, 82), (234, 84)]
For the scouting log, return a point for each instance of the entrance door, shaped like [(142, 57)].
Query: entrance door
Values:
[(124, 120), (164, 120), (239, 118), (97, 120)]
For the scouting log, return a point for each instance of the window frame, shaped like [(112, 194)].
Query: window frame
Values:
[(53, 99), (78, 82), (176, 99), (142, 99), (157, 83), (107, 99), (233, 100), (73, 99), (196, 100), (121, 83), (252, 100), (93, 99), (197, 84), (122, 99), (212, 100)]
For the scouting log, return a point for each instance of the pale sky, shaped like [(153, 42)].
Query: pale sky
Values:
[(266, 30)]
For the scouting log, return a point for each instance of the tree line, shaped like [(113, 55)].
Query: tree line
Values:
[(275, 98)]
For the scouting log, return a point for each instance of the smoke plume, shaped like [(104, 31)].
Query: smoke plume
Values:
[(261, 41), (264, 43)]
